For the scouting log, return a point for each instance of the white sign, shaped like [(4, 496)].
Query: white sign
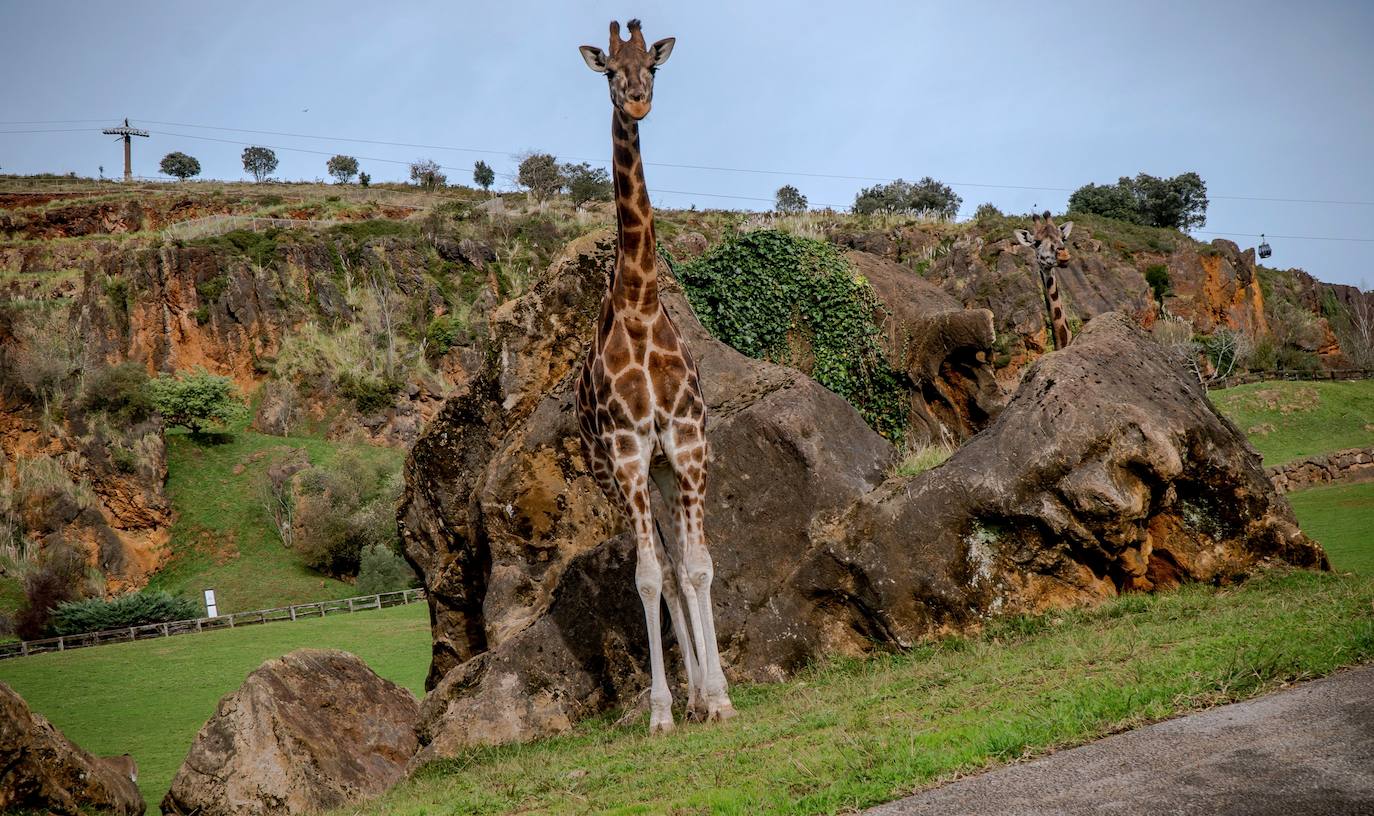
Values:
[(211, 611)]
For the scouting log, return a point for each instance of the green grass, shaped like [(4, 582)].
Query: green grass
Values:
[(149, 698), (1341, 517), (854, 733), (222, 537), (1292, 420)]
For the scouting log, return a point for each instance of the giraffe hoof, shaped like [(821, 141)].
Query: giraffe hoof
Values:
[(721, 712), (664, 726), (696, 712)]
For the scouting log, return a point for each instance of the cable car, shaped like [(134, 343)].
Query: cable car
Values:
[(1264, 250)]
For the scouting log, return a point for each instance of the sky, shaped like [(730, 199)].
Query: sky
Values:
[(1016, 104)]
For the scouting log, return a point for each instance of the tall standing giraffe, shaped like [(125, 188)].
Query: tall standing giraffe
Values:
[(640, 412), (1050, 253)]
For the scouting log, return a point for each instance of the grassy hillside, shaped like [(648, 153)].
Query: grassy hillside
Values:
[(1291, 420), (1341, 517), (149, 698), (222, 537)]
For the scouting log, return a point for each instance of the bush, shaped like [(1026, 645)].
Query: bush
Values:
[(586, 183), (789, 199), (1174, 203), (342, 168), (1157, 275), (180, 165), (382, 570), (444, 332), (196, 400), (56, 580), (120, 392), (342, 510), (925, 196), (987, 210), (765, 290), (259, 161), (134, 609), (482, 175), (369, 393), (364, 180)]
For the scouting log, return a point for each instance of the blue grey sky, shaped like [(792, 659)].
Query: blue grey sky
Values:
[(1265, 100)]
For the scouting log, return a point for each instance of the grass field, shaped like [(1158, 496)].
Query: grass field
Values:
[(150, 697), (1291, 420), (222, 537), (1341, 517)]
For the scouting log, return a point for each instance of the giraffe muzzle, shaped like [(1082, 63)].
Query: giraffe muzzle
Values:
[(1061, 257), (637, 110)]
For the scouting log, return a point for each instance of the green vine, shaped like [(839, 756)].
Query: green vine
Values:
[(769, 293)]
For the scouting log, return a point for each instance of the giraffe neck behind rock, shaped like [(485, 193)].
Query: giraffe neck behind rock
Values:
[(1058, 322), (635, 285)]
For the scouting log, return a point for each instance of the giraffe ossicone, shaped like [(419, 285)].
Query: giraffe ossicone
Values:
[(1047, 239), (641, 415)]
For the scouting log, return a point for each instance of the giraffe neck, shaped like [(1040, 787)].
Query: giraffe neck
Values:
[(1058, 322), (635, 284)]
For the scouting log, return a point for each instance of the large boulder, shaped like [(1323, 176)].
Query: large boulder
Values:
[(312, 730), (1107, 472), (41, 770)]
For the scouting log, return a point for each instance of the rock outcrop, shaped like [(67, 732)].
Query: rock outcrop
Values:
[(1107, 472), (1349, 465), (309, 731), (43, 771)]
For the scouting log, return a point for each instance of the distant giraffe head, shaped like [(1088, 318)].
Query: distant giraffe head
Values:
[(629, 68), (1047, 239)]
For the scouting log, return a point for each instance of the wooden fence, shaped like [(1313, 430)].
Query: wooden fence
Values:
[(220, 224), (318, 609), (1267, 376)]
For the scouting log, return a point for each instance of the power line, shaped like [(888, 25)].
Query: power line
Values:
[(1285, 237), (60, 121), (52, 130)]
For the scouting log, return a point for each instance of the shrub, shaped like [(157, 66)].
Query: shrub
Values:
[(364, 180), (259, 161), (56, 580), (120, 392), (343, 509), (985, 211), (382, 570), (925, 196), (765, 290), (369, 393), (180, 165), (134, 609), (427, 174), (586, 183), (342, 168), (1157, 275), (789, 199), (444, 332), (196, 400)]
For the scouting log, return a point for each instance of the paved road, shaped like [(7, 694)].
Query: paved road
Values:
[(1305, 750)]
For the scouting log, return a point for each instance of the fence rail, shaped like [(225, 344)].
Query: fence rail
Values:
[(1268, 376), (317, 609)]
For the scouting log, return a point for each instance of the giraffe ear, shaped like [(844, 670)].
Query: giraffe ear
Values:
[(1066, 228), (1023, 237), (594, 57), (661, 49)]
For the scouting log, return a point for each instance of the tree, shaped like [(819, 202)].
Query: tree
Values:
[(364, 179), (1172, 203), (342, 168), (180, 165), (540, 175), (260, 162), (196, 400), (790, 200), (425, 172), (925, 196), (586, 183), (483, 175)]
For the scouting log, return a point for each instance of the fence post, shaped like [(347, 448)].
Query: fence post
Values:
[(61, 644), (350, 604), (293, 612), (131, 633), (197, 624), (166, 630), (24, 648)]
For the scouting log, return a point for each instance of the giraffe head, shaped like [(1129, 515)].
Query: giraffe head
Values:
[(629, 68), (1048, 240)]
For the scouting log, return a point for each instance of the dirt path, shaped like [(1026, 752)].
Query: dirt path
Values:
[(1305, 750)]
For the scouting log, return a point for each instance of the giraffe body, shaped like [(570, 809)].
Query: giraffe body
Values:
[(641, 415), (1048, 239)]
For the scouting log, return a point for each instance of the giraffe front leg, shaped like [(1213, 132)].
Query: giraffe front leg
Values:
[(632, 477)]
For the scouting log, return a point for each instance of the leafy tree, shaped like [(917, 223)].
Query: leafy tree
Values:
[(260, 162), (1172, 203), (586, 183), (180, 165), (483, 175), (196, 400), (118, 391), (986, 210), (56, 580), (539, 173), (426, 173), (926, 195), (790, 200), (382, 570), (364, 179), (342, 168)]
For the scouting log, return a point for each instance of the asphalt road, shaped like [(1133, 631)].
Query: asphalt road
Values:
[(1307, 750)]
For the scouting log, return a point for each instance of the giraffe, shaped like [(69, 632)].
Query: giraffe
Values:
[(641, 415), (1050, 252)]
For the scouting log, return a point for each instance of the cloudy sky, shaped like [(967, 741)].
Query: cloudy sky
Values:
[(1011, 103)]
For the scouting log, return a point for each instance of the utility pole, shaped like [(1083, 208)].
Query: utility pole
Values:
[(126, 133)]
